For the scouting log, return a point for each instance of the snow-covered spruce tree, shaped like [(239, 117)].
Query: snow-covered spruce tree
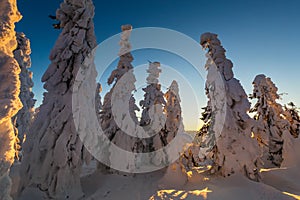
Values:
[(174, 122), (53, 151), (291, 139), (114, 101), (173, 126), (126, 136), (270, 115), (292, 115), (199, 152), (233, 151), (10, 84), (209, 140), (153, 119), (25, 115)]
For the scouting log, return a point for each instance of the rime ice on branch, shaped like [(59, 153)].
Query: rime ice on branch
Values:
[(270, 115), (234, 151), (53, 151), (25, 115), (9, 91)]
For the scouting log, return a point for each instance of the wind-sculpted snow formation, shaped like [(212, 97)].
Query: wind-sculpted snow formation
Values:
[(9, 92), (25, 115), (53, 151), (227, 145), (276, 124)]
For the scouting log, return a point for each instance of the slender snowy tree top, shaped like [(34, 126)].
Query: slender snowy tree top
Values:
[(154, 71), (124, 64), (236, 95), (23, 44), (124, 43), (263, 86), (174, 89), (217, 53)]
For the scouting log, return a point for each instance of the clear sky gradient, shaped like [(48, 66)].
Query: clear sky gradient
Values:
[(259, 36)]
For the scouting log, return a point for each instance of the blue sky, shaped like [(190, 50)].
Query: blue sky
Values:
[(259, 36)]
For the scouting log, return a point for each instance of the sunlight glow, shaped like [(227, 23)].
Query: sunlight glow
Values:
[(189, 174), (281, 115), (271, 169), (199, 170), (292, 195), (180, 194), (205, 179), (24, 139), (202, 193)]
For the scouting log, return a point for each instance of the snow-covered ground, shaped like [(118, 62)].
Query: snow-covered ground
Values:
[(276, 184)]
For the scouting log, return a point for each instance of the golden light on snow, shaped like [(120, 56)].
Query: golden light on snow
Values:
[(271, 169), (173, 167), (281, 115), (292, 195), (202, 193), (264, 170), (189, 174), (9, 154), (198, 170), (24, 139), (205, 179), (180, 194)]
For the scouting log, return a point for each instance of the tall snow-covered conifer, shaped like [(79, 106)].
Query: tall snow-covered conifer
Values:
[(270, 116), (229, 145), (53, 151), (9, 92), (292, 114), (25, 115), (153, 119), (173, 111), (121, 93)]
